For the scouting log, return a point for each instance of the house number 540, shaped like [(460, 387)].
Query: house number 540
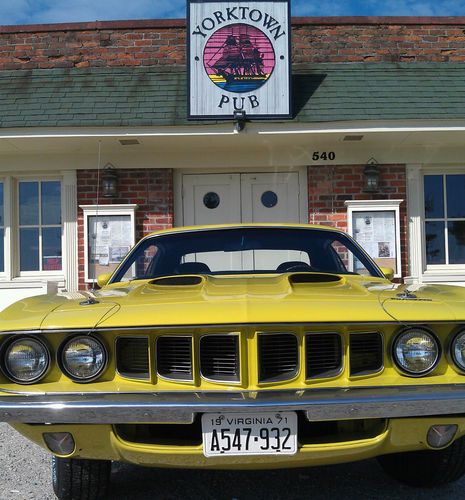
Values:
[(323, 155)]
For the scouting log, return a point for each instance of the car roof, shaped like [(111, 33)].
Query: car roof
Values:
[(244, 225)]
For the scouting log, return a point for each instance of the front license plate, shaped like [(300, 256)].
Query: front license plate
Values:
[(267, 433)]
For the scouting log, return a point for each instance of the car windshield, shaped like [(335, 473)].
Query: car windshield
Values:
[(247, 250)]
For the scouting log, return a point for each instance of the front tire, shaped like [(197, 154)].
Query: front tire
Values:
[(75, 479), (427, 469)]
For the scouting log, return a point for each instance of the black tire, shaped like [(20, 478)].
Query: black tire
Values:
[(75, 479), (427, 469)]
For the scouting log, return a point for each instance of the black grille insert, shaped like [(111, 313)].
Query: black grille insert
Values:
[(132, 357), (278, 356), (174, 357), (219, 357), (366, 353), (324, 355)]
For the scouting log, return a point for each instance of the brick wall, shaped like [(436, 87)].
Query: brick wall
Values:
[(378, 43), (330, 187), (151, 189), (149, 43)]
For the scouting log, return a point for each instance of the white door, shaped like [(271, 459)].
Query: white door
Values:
[(232, 198), (211, 199), (271, 197)]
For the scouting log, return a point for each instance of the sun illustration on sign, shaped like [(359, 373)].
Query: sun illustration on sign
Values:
[(239, 58)]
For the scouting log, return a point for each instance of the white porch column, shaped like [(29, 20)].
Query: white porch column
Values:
[(70, 238), (415, 226)]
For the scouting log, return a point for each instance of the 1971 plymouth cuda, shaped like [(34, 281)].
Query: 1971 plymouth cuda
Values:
[(245, 346)]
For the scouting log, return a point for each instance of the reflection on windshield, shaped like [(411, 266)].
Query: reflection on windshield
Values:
[(245, 251)]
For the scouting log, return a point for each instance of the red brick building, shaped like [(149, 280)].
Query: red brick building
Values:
[(369, 94)]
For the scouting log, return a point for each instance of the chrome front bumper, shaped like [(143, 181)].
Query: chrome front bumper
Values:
[(181, 407)]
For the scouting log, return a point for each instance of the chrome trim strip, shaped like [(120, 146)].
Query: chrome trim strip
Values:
[(181, 407)]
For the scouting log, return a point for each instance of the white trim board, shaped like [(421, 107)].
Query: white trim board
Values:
[(360, 126)]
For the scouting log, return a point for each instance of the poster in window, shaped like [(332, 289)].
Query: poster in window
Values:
[(110, 239), (375, 231)]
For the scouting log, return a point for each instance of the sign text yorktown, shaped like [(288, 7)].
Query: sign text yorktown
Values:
[(239, 59)]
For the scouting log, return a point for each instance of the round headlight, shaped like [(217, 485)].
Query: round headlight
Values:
[(83, 358), (416, 351), (458, 350), (26, 360)]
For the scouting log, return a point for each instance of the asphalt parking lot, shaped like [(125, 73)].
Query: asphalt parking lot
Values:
[(25, 474)]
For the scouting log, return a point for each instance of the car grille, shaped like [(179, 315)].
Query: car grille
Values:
[(132, 357), (197, 356), (174, 357), (219, 357), (278, 356), (324, 355), (366, 353)]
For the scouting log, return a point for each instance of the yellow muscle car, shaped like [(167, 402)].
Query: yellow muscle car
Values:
[(239, 346)]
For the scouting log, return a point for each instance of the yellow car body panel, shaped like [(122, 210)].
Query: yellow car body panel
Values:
[(100, 441), (244, 305)]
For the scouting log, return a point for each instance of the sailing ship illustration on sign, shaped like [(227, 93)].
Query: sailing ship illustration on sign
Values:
[(239, 58)]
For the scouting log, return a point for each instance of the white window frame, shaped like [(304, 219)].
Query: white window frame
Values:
[(4, 225), (39, 180), (354, 206), (105, 211), (67, 277), (440, 267), (420, 272)]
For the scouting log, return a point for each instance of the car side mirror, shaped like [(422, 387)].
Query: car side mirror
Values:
[(388, 272), (103, 279)]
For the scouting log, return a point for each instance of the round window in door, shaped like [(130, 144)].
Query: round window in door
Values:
[(269, 199), (211, 200)]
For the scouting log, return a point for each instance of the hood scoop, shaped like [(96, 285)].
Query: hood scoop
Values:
[(191, 280), (302, 278)]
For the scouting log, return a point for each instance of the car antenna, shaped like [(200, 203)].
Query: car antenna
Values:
[(93, 300)]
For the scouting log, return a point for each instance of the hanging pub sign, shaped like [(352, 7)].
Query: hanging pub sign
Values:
[(239, 59)]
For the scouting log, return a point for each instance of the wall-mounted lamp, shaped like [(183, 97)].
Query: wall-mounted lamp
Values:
[(371, 176), (109, 181), (240, 119)]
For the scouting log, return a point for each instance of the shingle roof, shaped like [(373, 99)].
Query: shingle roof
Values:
[(157, 96)]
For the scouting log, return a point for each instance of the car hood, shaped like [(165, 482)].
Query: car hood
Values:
[(285, 298)]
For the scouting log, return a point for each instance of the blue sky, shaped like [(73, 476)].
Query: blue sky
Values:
[(56, 11)]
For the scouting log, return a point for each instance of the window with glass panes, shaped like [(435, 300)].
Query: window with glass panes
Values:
[(444, 197), (2, 231), (40, 226)]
